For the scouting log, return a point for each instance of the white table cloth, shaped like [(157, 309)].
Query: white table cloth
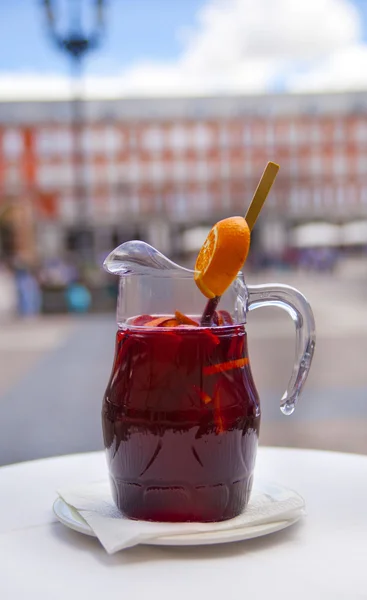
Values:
[(323, 557)]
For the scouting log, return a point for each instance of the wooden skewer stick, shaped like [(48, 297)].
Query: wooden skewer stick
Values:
[(257, 202), (261, 193)]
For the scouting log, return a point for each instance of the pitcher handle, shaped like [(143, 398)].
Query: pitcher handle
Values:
[(296, 305)]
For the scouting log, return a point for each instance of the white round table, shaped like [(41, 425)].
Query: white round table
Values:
[(322, 557)]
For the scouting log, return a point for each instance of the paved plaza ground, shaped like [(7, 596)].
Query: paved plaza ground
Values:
[(53, 371)]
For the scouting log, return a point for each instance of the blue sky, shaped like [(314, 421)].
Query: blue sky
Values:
[(180, 47), (136, 29)]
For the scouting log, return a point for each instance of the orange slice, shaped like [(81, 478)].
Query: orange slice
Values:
[(224, 318), (184, 320), (141, 320), (227, 366), (222, 256), (162, 322), (203, 395), (218, 416)]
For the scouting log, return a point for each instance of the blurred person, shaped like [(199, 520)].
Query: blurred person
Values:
[(290, 257), (78, 297), (8, 293), (29, 299)]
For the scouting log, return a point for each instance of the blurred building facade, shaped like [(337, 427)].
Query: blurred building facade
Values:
[(155, 167)]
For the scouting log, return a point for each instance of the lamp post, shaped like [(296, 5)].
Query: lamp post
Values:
[(76, 43)]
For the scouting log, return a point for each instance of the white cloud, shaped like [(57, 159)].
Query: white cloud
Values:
[(343, 70), (238, 46), (232, 31), (33, 86)]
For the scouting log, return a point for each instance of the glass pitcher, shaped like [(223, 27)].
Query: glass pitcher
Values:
[(181, 413)]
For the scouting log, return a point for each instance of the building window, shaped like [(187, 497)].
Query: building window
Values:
[(361, 132), (316, 164), (351, 195), (202, 137), (113, 209), (202, 171), (93, 141), (294, 166), (213, 169), (112, 139), (113, 173), (224, 138), (317, 198), (302, 133), (60, 175), (65, 141), (281, 133), (180, 203), (13, 176), (68, 208), (293, 134), (134, 202), (153, 139), (156, 171), (133, 139), (225, 196), (293, 200), (315, 133), (270, 135), (258, 134), (340, 195), (178, 138), (44, 142), (51, 142), (339, 133), (248, 167), (203, 200), (247, 135), (364, 195), (362, 164), (123, 171), (329, 196), (303, 199), (12, 144), (134, 170), (225, 168), (87, 174), (180, 171), (46, 176), (66, 174), (340, 164)]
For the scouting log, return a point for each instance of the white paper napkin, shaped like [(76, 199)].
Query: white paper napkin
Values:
[(269, 503)]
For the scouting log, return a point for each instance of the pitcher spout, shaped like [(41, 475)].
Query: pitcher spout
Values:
[(138, 258)]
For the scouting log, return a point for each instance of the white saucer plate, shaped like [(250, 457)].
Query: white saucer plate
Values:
[(68, 516)]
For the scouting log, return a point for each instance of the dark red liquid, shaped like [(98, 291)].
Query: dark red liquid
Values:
[(181, 441)]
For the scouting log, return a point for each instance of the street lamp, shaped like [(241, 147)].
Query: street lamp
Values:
[(75, 42)]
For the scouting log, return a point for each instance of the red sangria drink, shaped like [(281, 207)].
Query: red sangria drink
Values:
[(181, 413), (181, 420)]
